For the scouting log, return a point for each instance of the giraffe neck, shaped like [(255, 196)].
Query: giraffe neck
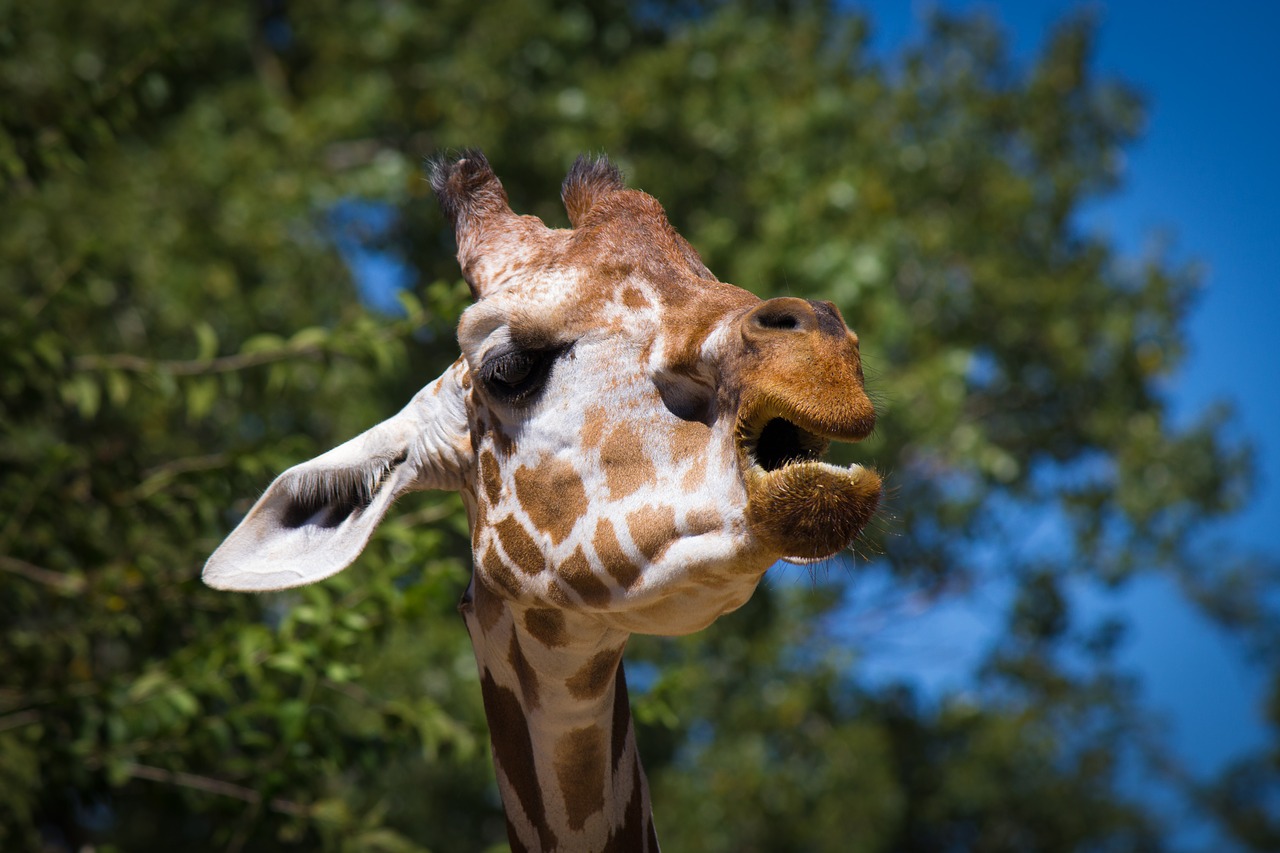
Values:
[(564, 748)]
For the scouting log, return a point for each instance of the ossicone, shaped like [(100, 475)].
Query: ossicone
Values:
[(589, 181), (467, 189)]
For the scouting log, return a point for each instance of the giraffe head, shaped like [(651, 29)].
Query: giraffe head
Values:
[(633, 438)]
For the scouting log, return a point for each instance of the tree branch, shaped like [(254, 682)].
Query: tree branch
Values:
[(213, 786), (194, 367), (22, 718), (30, 571)]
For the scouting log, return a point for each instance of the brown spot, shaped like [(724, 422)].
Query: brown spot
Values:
[(633, 298), (580, 769), (703, 520), (694, 477), (653, 529), (490, 477), (690, 440), (478, 516), (629, 836), (524, 673), (487, 603), (557, 596), (513, 754), (520, 547), (496, 570), (626, 466), (593, 424), (546, 626), (610, 552), (594, 677), (553, 496), (576, 572), (621, 717), (503, 440)]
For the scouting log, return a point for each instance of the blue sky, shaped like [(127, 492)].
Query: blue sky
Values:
[(1204, 175)]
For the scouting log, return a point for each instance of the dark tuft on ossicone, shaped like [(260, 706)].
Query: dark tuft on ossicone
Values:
[(589, 180), (465, 185)]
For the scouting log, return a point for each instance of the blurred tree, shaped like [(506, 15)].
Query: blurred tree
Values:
[(194, 197)]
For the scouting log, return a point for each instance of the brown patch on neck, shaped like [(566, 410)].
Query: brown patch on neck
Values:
[(595, 676), (576, 572), (610, 552), (477, 519), (635, 834), (490, 477), (553, 496), (546, 626), (520, 547), (497, 571), (524, 673), (631, 836), (580, 770), (513, 754), (487, 603), (626, 466), (621, 718), (652, 529)]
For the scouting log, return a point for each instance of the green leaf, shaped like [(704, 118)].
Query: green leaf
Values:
[(206, 341)]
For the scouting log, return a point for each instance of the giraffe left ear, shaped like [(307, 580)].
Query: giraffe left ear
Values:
[(317, 517)]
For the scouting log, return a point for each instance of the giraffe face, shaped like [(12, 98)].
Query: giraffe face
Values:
[(632, 437), (645, 438)]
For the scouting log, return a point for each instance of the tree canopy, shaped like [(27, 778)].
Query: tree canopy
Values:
[(203, 206)]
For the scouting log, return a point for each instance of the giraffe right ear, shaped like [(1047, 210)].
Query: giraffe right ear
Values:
[(316, 518)]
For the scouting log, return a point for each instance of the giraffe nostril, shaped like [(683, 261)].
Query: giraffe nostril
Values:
[(776, 320), (782, 314)]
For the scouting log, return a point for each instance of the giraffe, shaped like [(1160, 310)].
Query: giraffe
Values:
[(635, 443)]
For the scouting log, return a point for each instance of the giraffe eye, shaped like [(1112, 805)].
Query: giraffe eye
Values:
[(510, 369), (516, 376)]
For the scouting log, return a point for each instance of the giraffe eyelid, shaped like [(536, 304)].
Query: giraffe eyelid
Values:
[(514, 375)]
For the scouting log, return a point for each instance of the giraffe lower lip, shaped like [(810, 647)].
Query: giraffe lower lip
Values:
[(810, 510)]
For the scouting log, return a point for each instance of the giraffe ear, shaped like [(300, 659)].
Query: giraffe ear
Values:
[(317, 517)]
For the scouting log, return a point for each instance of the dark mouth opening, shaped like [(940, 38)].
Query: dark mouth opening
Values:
[(782, 443)]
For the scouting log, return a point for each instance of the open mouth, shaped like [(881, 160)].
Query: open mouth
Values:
[(780, 443), (799, 506)]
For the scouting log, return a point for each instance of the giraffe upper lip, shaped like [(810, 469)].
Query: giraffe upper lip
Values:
[(772, 435)]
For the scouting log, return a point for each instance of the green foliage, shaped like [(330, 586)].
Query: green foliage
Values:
[(177, 325)]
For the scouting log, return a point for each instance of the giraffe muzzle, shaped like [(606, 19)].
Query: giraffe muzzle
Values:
[(803, 389)]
